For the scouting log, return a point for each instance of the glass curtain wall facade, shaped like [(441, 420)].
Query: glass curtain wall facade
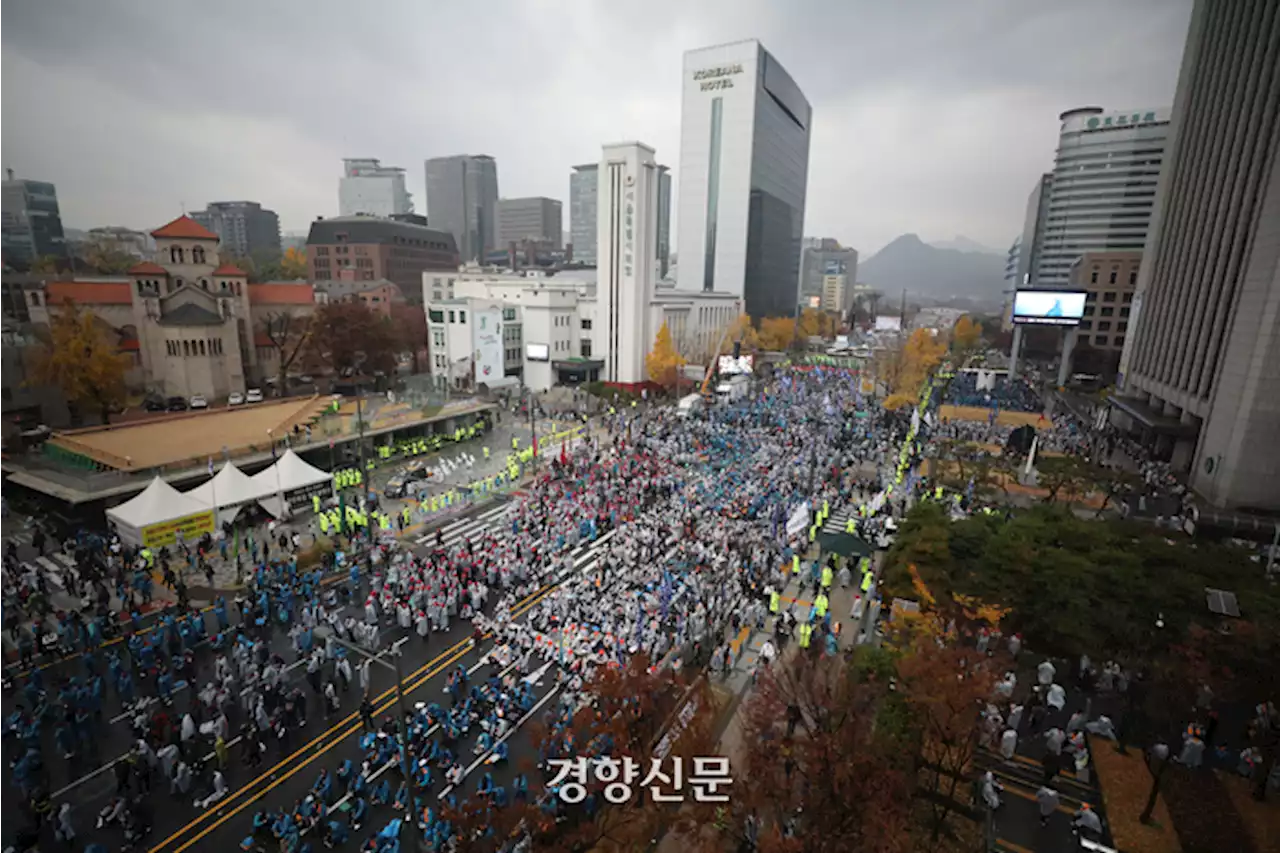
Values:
[(584, 190), (462, 192), (744, 166)]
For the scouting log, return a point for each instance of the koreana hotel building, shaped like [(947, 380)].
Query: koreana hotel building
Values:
[(744, 165)]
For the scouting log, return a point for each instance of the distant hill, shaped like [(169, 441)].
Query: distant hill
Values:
[(909, 263), (962, 243)]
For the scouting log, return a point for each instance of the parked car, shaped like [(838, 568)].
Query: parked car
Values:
[(199, 402), (155, 404), (235, 399), (405, 481), (306, 379), (176, 404), (254, 396)]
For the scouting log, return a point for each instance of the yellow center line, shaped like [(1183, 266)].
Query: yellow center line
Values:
[(303, 764), (1013, 848), (453, 653)]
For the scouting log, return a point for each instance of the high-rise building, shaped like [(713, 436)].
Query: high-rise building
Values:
[(744, 165), (246, 228), (664, 221), (462, 193), (1031, 241), (1102, 189), (627, 253), (31, 225), (583, 194), (367, 187), (1200, 372), (536, 220), (828, 272)]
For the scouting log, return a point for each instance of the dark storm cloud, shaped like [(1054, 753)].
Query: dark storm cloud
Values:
[(932, 117)]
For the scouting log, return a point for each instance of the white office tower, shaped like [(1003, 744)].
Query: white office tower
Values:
[(744, 166), (370, 188), (626, 251)]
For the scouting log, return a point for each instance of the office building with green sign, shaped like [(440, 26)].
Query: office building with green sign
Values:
[(1102, 190)]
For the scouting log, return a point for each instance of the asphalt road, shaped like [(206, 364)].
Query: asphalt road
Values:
[(290, 768), (289, 781), (88, 782)]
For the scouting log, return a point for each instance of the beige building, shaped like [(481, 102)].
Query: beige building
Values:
[(193, 324), (1108, 280)]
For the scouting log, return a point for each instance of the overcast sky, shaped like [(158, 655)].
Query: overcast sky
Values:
[(930, 116)]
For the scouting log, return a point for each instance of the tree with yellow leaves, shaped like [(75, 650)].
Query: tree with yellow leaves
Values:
[(966, 335), (922, 353), (741, 330), (664, 362), (293, 265), (777, 333), (817, 324), (81, 357)]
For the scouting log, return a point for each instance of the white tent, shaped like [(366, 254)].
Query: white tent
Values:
[(227, 491), (290, 474), (157, 503)]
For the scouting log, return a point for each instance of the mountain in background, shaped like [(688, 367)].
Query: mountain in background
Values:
[(929, 273), (962, 243)]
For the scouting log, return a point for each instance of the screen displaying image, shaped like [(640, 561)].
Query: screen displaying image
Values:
[(1050, 307), (741, 364), (537, 352)]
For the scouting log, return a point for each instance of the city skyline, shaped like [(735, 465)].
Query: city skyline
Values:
[(963, 176)]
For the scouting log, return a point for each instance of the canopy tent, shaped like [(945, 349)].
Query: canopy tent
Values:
[(843, 544), (290, 478), (228, 490), (139, 520)]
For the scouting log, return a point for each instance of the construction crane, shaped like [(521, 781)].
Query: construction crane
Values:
[(705, 390)]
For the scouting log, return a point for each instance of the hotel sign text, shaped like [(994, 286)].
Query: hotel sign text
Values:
[(1121, 121), (717, 77)]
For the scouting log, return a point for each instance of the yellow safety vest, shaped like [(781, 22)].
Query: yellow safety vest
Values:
[(795, 564), (773, 602), (826, 576), (806, 630), (866, 581), (820, 604)]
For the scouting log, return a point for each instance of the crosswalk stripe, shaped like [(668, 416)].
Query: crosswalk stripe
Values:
[(455, 530), (54, 571), (837, 521)]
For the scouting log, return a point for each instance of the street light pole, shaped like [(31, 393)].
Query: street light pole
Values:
[(358, 360), (325, 633), (360, 425), (533, 430)]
